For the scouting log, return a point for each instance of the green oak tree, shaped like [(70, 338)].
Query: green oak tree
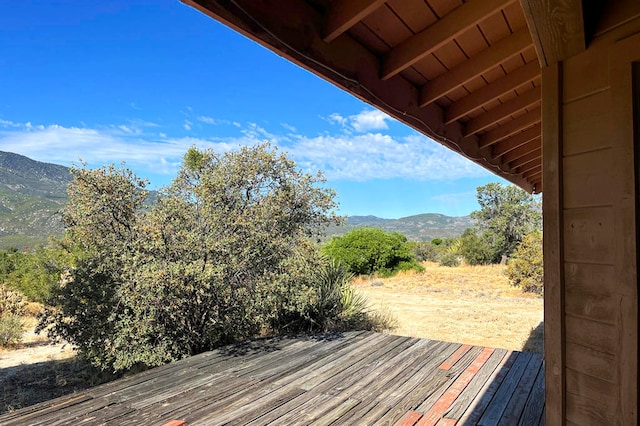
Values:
[(151, 285)]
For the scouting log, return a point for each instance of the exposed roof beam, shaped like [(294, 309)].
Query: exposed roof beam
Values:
[(534, 170), (498, 113), (466, 71), (344, 14), (557, 28), (533, 166), (516, 141), (492, 91), (521, 151), (442, 31), (511, 128), (532, 156)]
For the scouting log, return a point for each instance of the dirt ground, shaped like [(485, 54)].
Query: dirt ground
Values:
[(466, 304)]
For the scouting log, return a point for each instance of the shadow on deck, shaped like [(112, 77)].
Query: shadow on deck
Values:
[(352, 378)]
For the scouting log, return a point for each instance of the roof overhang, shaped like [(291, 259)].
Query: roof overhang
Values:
[(466, 74)]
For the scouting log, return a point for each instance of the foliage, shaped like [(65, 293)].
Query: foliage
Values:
[(449, 259), (33, 273), (365, 251), (151, 285), (423, 251), (11, 302), (474, 249), (11, 308), (525, 269), (506, 214), (436, 241), (11, 329)]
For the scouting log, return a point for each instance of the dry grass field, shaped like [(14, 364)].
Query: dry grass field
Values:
[(466, 304)]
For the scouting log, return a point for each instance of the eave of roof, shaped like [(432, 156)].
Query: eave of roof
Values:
[(466, 74)]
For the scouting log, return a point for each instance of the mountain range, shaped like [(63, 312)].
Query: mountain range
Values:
[(33, 193)]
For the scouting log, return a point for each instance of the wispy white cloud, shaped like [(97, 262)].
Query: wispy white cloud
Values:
[(369, 120), (365, 121), (340, 156), (187, 125), (289, 127), (207, 120)]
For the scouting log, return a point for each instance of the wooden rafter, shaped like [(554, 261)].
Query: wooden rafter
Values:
[(511, 128), (516, 141), (532, 156), (498, 113), (344, 14), (533, 171), (444, 30), (533, 165), (499, 52), (492, 91), (557, 28), (521, 151)]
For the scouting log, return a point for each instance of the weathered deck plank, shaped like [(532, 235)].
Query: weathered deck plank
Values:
[(353, 378)]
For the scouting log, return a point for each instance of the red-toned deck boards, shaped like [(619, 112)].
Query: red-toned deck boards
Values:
[(409, 419), (455, 357), (489, 391), (442, 405), (447, 422), (175, 423)]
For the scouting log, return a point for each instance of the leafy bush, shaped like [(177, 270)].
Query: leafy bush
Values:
[(475, 249), (11, 308), (314, 294), (449, 259), (11, 329), (11, 302), (525, 269), (424, 251), (365, 251), (33, 274), (150, 285), (436, 241)]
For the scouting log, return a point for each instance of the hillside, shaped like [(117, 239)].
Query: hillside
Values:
[(32, 194), (422, 227)]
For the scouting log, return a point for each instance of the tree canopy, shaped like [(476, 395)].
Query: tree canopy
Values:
[(506, 214), (150, 285), (371, 250)]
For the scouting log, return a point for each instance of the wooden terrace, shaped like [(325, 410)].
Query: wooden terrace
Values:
[(347, 379)]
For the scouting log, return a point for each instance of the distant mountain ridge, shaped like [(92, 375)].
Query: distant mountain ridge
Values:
[(421, 227), (33, 193)]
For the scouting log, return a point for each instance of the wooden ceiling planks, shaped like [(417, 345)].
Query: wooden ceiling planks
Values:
[(502, 50), (443, 31), (465, 73), (344, 14), (493, 90)]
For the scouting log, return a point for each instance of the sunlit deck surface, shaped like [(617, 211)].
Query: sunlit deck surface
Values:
[(346, 379)]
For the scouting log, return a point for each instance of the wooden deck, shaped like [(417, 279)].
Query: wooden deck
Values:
[(349, 379)]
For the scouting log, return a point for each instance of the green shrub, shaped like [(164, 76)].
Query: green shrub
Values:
[(424, 251), (449, 259), (11, 302), (436, 241), (475, 249), (11, 329), (149, 285), (365, 251), (525, 268)]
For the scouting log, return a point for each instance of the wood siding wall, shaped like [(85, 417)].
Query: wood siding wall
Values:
[(590, 228)]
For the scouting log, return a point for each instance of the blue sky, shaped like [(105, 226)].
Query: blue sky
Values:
[(142, 81)]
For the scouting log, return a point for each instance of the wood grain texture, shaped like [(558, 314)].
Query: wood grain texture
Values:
[(557, 28), (444, 30), (553, 242)]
